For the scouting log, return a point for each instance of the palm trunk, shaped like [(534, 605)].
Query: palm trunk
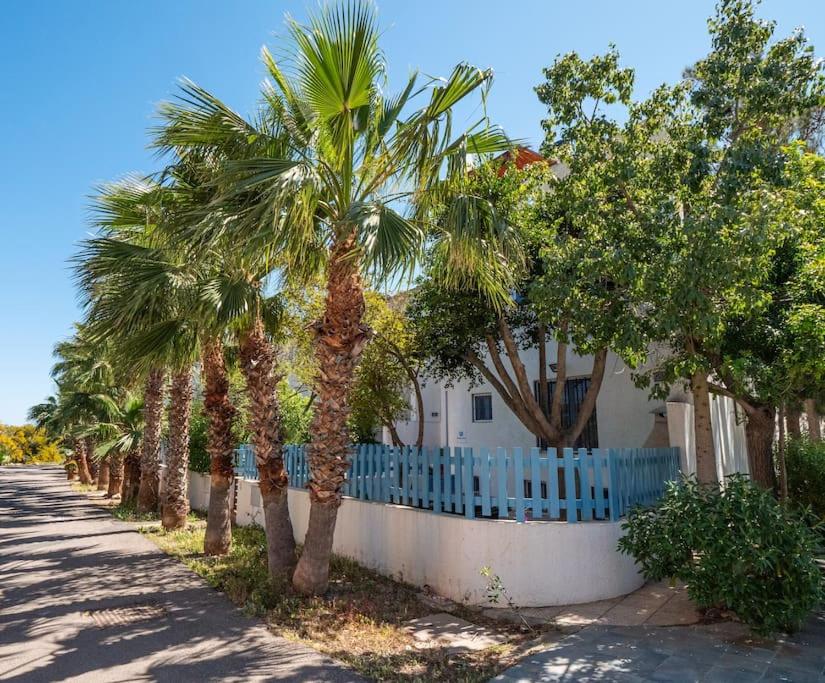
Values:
[(94, 468), (82, 462), (150, 448), (759, 433), (175, 503), (258, 363), (116, 472), (219, 444), (339, 341), (103, 474), (131, 482), (703, 431)]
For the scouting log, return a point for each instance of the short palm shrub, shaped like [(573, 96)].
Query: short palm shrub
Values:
[(735, 547), (805, 465)]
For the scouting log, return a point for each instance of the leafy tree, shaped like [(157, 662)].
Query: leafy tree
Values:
[(720, 159), (388, 373), (775, 355), (27, 444)]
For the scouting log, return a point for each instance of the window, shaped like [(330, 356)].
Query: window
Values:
[(482, 407), (574, 391)]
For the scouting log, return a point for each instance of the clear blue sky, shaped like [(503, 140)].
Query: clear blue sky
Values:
[(80, 81)]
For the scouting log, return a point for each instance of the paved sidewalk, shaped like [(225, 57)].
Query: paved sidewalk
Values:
[(654, 604), (84, 597), (716, 653)]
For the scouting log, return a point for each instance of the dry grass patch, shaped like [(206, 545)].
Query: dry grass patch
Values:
[(360, 621)]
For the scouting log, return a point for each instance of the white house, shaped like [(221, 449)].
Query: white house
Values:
[(625, 416)]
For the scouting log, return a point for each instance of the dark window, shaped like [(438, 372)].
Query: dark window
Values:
[(482, 407), (574, 391)]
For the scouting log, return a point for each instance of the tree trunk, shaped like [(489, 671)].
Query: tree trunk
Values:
[(419, 409), (150, 448), (82, 462), (116, 471), (103, 474), (792, 419), (258, 363), (339, 341), (814, 428), (220, 446), (94, 468), (783, 470), (175, 503), (703, 431), (131, 482), (759, 432)]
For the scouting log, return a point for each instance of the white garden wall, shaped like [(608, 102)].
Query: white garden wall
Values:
[(540, 563)]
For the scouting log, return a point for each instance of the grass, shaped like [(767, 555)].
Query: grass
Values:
[(359, 621)]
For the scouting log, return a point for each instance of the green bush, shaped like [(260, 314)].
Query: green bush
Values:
[(805, 464), (198, 457), (736, 548)]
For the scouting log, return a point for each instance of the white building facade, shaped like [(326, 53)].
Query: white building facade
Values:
[(474, 415)]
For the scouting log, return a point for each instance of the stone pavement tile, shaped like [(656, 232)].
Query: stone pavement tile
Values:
[(518, 617), (625, 614), (543, 613), (680, 669), (778, 673), (456, 633), (585, 614), (806, 657), (720, 674), (741, 663), (673, 617)]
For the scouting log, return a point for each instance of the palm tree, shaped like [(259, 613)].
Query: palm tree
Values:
[(139, 294), (121, 438), (86, 395), (333, 200)]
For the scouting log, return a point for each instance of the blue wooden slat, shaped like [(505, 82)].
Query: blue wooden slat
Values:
[(598, 482), (415, 462), (392, 474), (385, 473), (570, 486), (585, 463), (501, 476), (405, 475), (353, 490), (438, 479), (484, 481), (458, 500), (554, 506), (425, 478), (518, 482), (469, 495), (535, 483), (396, 475), (612, 484)]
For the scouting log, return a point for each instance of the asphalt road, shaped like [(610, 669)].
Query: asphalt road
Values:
[(63, 561)]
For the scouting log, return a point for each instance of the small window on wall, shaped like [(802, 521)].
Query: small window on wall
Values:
[(482, 407)]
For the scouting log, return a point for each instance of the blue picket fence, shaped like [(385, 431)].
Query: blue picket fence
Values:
[(515, 483)]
